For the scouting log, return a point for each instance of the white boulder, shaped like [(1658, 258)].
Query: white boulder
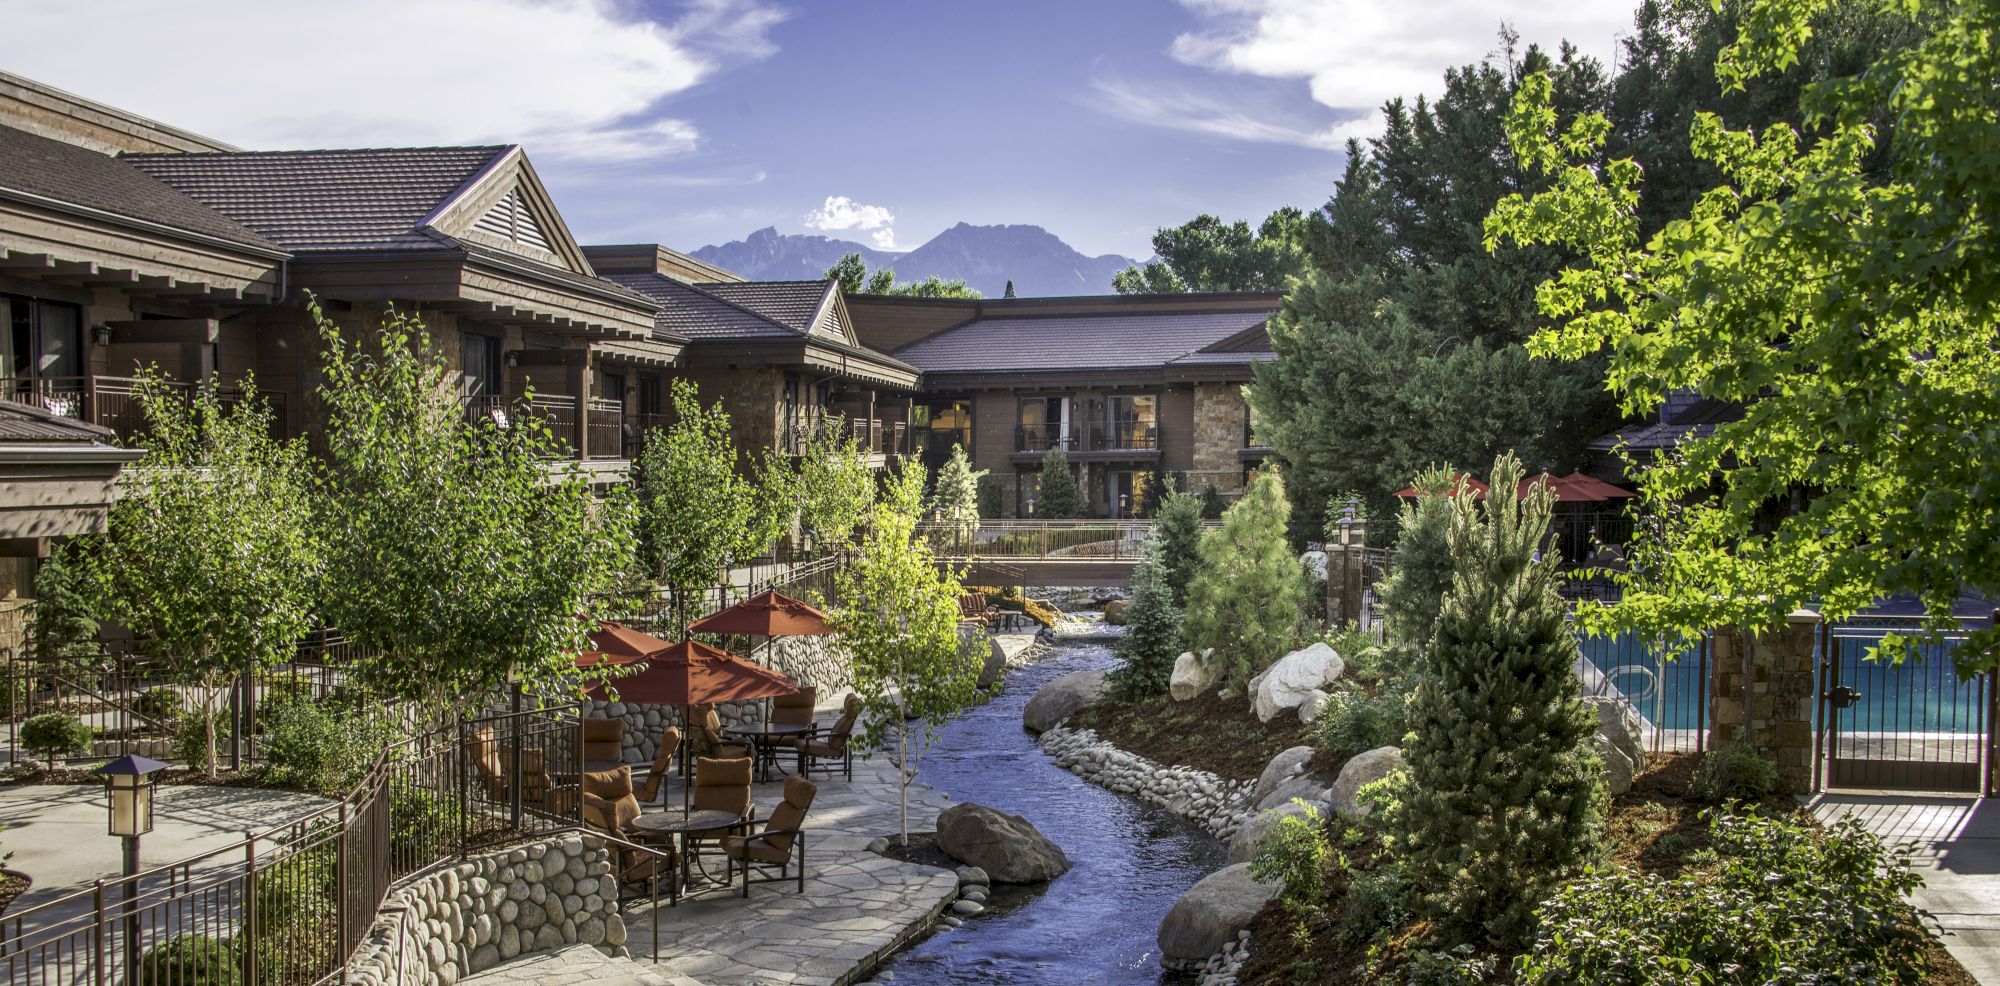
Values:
[(1287, 683), (1312, 706), (1191, 677), (1621, 727), (1618, 768), (1362, 770)]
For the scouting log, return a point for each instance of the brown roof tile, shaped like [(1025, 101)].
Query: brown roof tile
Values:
[(1077, 342), (51, 169)]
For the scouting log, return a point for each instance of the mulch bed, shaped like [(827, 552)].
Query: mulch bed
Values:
[(1219, 735), (172, 776), (922, 850), (1653, 828), (12, 885)]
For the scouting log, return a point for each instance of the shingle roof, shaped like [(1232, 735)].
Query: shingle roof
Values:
[(1076, 342), (1684, 416), (51, 169), (368, 199), (1243, 357), (789, 303), (696, 314), (27, 423)]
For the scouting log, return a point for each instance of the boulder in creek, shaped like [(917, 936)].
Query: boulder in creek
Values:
[(1062, 698), (1007, 847), (1210, 914)]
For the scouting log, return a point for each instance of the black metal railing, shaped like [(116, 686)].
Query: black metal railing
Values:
[(113, 402), (1090, 435)]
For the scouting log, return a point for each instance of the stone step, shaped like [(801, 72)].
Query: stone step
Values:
[(577, 965)]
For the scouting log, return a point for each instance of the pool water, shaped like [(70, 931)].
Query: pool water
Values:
[(1094, 924)]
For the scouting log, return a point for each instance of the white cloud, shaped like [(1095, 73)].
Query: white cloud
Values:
[(1204, 113), (1357, 54), (842, 213), (572, 79)]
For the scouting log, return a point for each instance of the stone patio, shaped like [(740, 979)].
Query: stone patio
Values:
[(1957, 852)]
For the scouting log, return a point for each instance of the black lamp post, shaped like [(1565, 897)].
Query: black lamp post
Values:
[(128, 785)]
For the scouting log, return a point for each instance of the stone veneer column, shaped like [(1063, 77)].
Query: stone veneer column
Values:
[(1761, 693), (1346, 567)]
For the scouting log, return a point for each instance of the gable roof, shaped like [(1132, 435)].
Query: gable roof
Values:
[(35, 168), (1078, 342), (1684, 415), (328, 201), (696, 314), (802, 306)]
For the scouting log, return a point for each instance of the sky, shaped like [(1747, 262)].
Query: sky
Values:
[(689, 122)]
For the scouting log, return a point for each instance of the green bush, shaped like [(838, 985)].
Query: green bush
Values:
[(16, 689), (1295, 855), (55, 734), (191, 736), (1788, 904), (312, 747), (162, 705), (1355, 722), (297, 940), (190, 960), (1152, 638), (1735, 773), (422, 823)]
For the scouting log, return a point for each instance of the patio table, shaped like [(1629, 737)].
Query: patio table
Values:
[(764, 739), (685, 823)]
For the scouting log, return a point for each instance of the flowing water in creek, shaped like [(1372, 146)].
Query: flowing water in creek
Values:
[(1094, 924)]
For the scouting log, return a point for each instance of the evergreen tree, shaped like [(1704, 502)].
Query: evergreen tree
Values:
[(64, 623), (1247, 600), (1152, 637), (1504, 799), (955, 497), (1177, 531), (1060, 496), (1207, 254), (1420, 572), (1010, 290)]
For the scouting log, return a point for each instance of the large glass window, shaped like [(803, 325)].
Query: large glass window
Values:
[(479, 362), (1134, 421), (1043, 423), (43, 338)]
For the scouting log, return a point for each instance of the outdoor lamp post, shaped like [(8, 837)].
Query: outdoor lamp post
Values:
[(129, 783), (1031, 506)]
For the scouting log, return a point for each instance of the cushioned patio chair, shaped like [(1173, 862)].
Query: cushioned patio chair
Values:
[(721, 785), (706, 736), (782, 838), (836, 745), (610, 806), (603, 740), (491, 755), (795, 709), (656, 776)]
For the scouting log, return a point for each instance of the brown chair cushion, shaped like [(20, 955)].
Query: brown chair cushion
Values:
[(603, 739), (795, 709), (758, 848), (608, 804), (790, 815), (722, 785), (670, 741)]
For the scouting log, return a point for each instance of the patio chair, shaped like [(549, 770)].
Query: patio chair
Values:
[(774, 846), (603, 740), (610, 806), (835, 744), (656, 778), (795, 709), (706, 736), (491, 756), (722, 785), (973, 608)]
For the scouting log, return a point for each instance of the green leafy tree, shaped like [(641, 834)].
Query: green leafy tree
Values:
[(210, 557), (1504, 800), (462, 553), (1059, 496), (64, 623), (1207, 254), (1152, 638), (899, 617), (835, 486), (852, 274), (1421, 571), (1247, 600), (1852, 313), (699, 512), (1177, 528)]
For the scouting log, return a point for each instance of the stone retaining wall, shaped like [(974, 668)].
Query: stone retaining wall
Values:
[(1218, 805), (472, 916)]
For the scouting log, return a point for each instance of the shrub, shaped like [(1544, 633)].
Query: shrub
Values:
[(296, 938), (1355, 722), (16, 689), (1246, 600), (1177, 530), (191, 735), (190, 960), (1152, 638), (1420, 573), (422, 823), (1295, 855), (55, 734), (1375, 901), (1212, 504), (162, 705), (316, 748), (1059, 495), (992, 496), (1735, 773), (1788, 904)]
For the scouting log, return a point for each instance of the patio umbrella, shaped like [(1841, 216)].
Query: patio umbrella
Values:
[(690, 673), (615, 643), (1459, 482), (769, 615)]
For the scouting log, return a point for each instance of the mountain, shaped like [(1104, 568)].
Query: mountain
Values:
[(986, 257)]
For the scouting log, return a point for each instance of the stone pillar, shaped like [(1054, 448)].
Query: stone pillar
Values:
[(1347, 567), (1761, 693)]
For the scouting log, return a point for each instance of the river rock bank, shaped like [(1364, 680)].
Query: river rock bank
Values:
[(1216, 804)]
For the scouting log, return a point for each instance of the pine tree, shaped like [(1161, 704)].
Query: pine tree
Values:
[(1248, 599), (955, 499), (1152, 637), (1177, 530), (1060, 496), (1010, 290), (1420, 573), (1503, 799), (64, 623)]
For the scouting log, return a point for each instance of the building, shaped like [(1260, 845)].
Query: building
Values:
[(1134, 389)]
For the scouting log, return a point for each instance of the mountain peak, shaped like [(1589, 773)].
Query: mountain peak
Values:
[(984, 257)]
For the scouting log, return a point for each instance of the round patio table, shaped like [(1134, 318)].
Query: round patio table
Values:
[(686, 822), (765, 737)]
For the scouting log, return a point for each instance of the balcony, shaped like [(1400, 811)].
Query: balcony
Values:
[(1099, 438), (113, 402), (880, 437)]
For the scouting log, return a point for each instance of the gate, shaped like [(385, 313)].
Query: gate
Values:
[(1914, 726)]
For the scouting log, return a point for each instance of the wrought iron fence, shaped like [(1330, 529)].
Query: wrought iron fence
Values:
[(1666, 683), (289, 904)]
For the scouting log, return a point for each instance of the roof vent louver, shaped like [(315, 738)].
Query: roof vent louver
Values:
[(511, 219)]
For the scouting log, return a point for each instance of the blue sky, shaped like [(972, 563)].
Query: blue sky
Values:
[(696, 121)]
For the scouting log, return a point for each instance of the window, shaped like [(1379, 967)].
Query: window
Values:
[(1134, 422), (1043, 423), (479, 362), (649, 395), (612, 386), (43, 338)]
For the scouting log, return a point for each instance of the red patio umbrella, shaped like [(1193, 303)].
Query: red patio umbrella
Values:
[(770, 614), (615, 643), (1459, 482), (1597, 487), (1577, 488), (690, 673)]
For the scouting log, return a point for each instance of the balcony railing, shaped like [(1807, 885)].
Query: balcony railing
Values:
[(880, 437), (113, 402), (1101, 435)]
